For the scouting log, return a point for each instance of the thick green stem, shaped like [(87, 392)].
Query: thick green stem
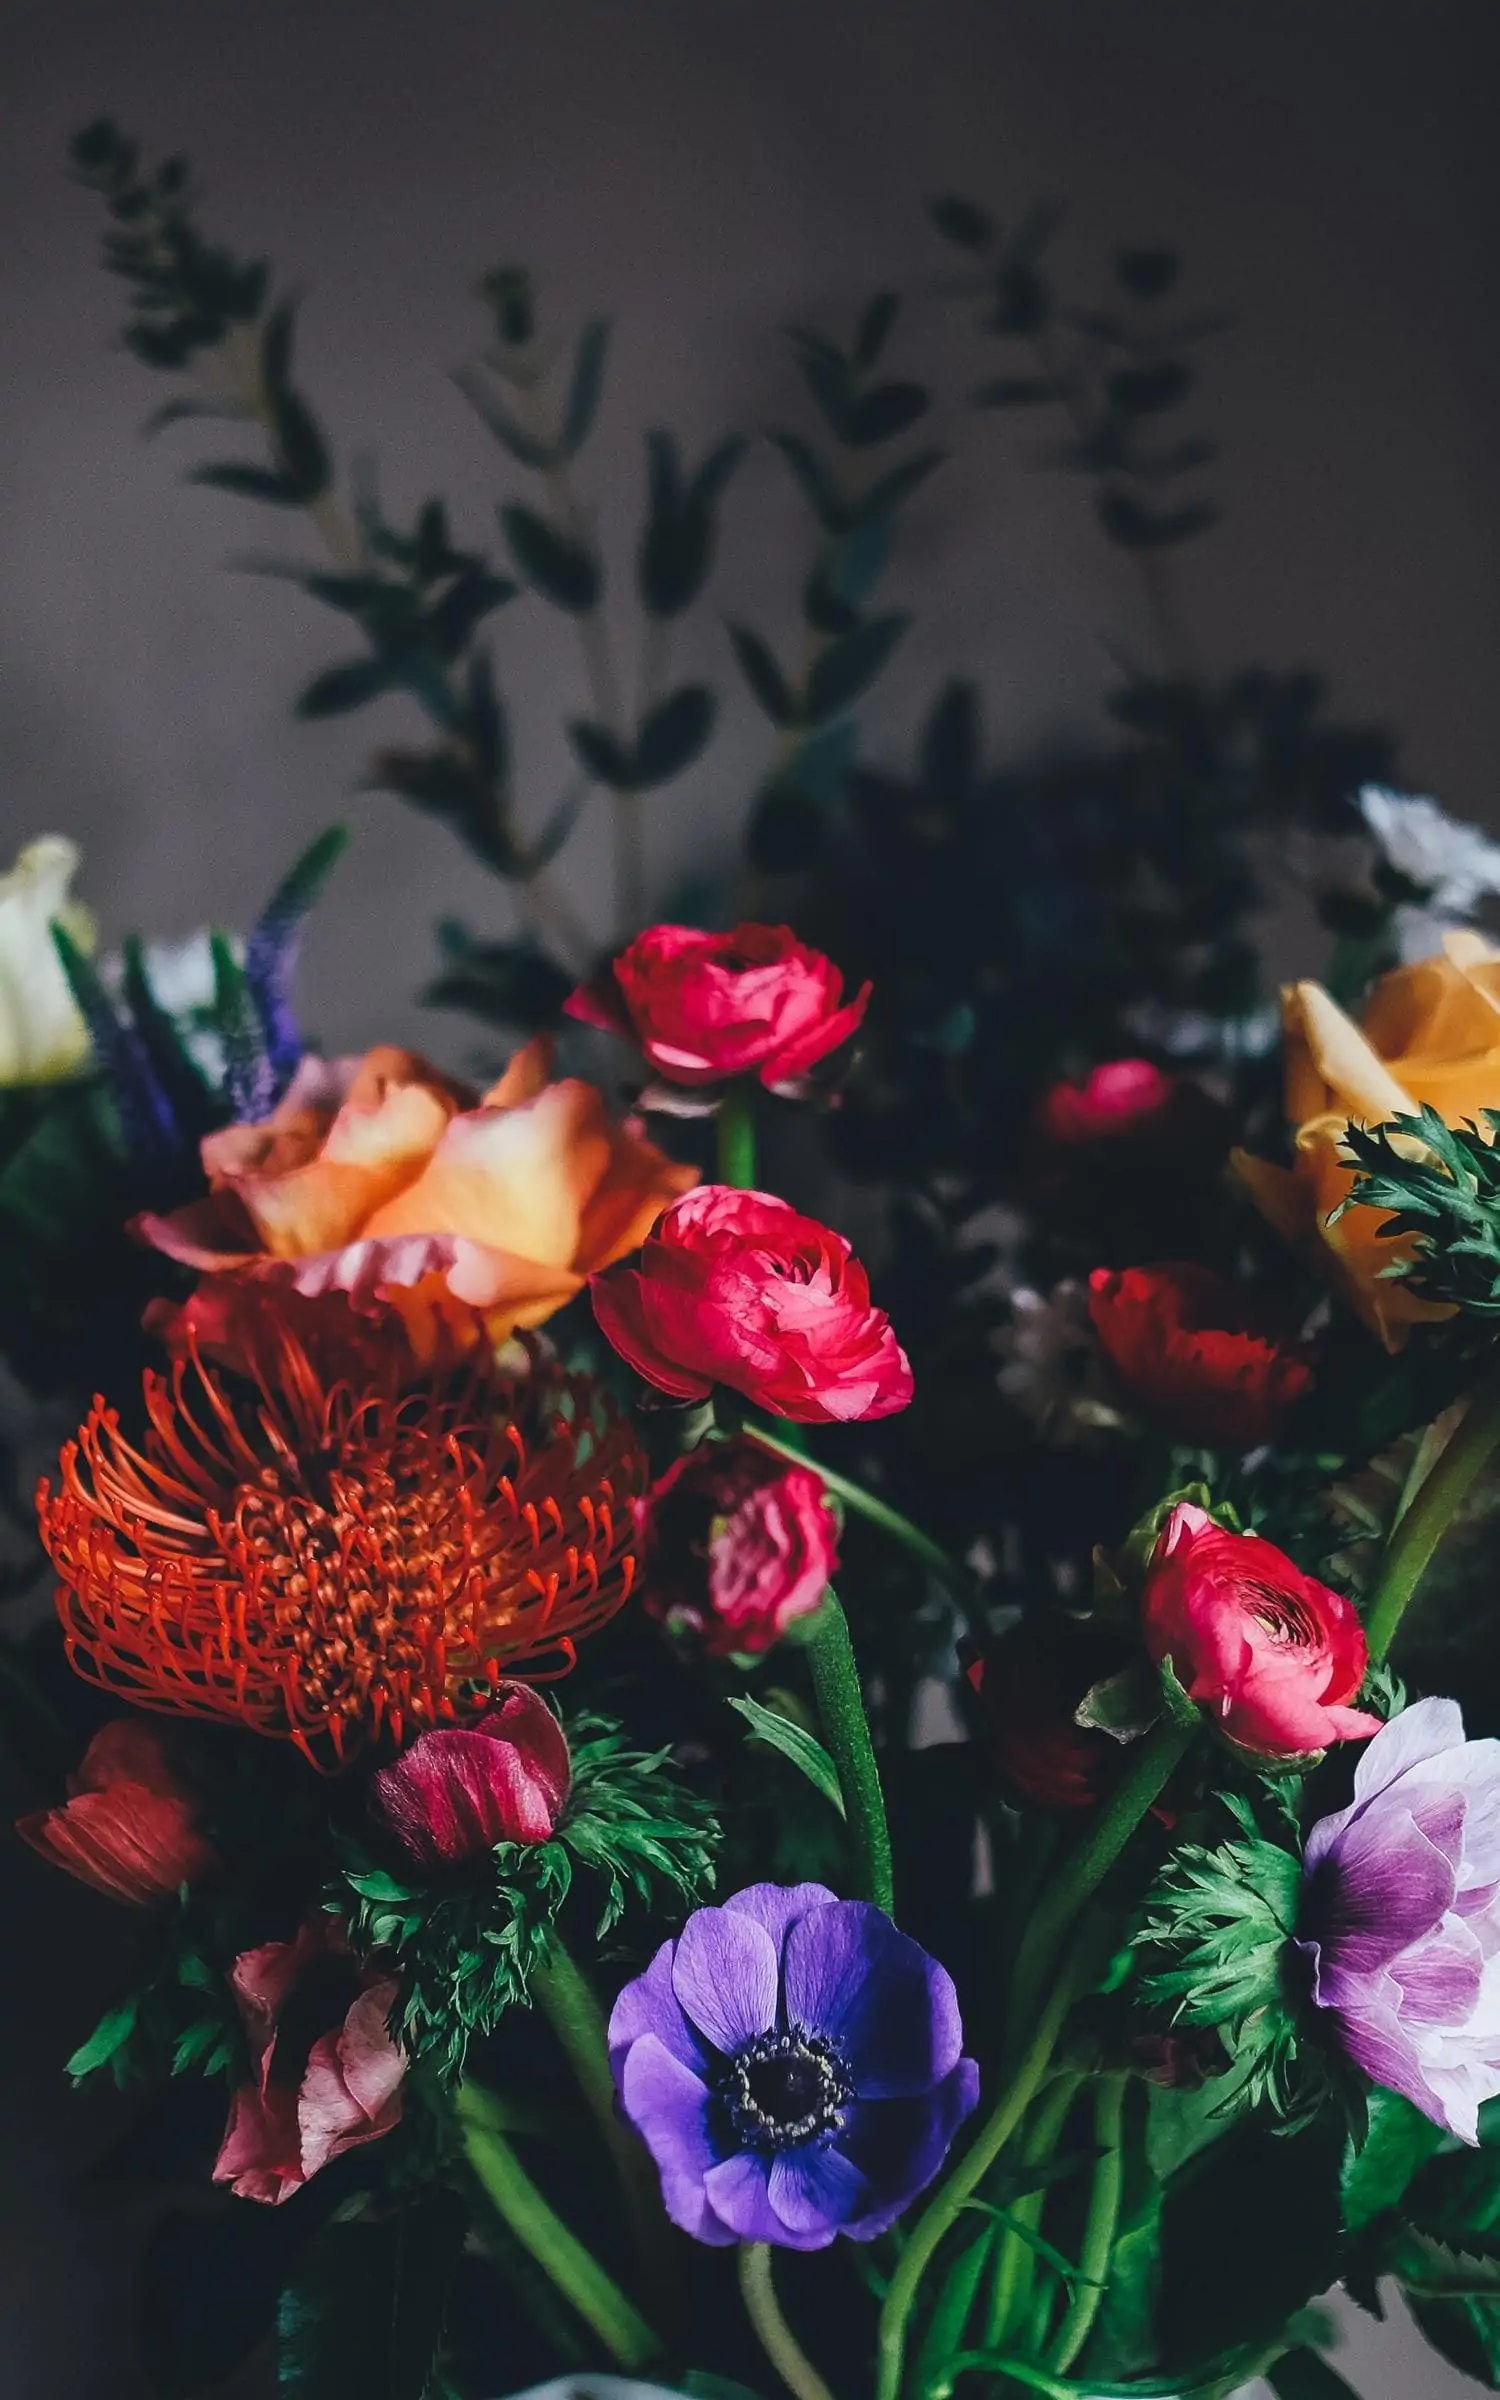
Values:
[(567, 2001), (1016, 2265), (734, 1136), (846, 1730), (1416, 1534), (557, 2250), (865, 1504), (776, 2337), (1099, 2229)]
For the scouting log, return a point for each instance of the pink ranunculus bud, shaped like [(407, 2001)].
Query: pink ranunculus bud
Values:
[(1273, 1655), (130, 1827), (1123, 1096), (325, 2073), (736, 1544), (705, 1006), (736, 1288), (461, 1789)]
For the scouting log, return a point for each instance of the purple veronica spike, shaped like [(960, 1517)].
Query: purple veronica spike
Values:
[(794, 2065), (1401, 1918)]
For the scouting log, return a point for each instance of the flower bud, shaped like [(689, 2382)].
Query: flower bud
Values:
[(130, 1827), (1029, 1682), (736, 1545), (461, 1789)]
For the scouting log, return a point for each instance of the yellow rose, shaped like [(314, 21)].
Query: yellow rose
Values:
[(43, 1039), (1430, 1032)]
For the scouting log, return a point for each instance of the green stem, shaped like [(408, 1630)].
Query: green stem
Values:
[(864, 1504), (776, 2337), (1416, 1535), (566, 1999), (1100, 2225), (557, 2250), (1016, 2264), (964, 2180), (734, 1136), (846, 1730)]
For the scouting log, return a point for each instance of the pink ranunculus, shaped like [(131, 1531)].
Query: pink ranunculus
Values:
[(312, 2094), (1124, 1096), (461, 1789), (130, 1827), (736, 1288), (704, 1006), (736, 1544), (1275, 1656)]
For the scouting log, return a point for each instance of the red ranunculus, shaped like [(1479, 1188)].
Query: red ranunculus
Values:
[(461, 1789), (1193, 1351), (1029, 1681), (735, 1287), (325, 2073), (1124, 1096), (1275, 1656), (736, 1544), (708, 1005), (130, 1828)]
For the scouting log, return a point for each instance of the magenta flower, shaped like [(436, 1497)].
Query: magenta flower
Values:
[(735, 1545), (461, 1789), (794, 2065), (1401, 1917)]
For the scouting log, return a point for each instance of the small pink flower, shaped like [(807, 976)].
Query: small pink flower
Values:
[(312, 2095), (461, 1789), (736, 1545), (1123, 1096), (736, 1288), (130, 1828), (704, 1006)]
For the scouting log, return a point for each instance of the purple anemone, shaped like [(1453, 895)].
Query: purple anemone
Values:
[(1401, 1915), (794, 2065)]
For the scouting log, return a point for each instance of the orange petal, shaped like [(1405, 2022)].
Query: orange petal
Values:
[(516, 1179), (638, 1183), (526, 1076), (375, 1145)]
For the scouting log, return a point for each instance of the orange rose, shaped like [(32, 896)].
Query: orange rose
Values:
[(378, 1178), (1430, 1032)]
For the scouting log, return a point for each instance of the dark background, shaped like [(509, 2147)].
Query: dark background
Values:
[(705, 170)]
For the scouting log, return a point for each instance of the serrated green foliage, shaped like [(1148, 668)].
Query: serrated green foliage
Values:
[(468, 1943), (1440, 1188), (179, 2019)]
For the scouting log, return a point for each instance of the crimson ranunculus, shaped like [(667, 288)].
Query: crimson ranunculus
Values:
[(1029, 1681), (736, 1544), (130, 1827), (1124, 1096), (1274, 1656), (1192, 1351), (325, 2073), (735, 1287), (461, 1789), (704, 1006)]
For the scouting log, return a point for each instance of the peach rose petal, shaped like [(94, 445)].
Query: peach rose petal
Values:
[(516, 1177)]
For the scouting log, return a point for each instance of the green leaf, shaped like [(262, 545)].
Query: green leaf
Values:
[(895, 487), (185, 409), (963, 222), (525, 447), (1017, 391), (602, 755), (879, 415), (676, 549), (673, 733), (107, 2040), (363, 2317), (764, 676), (1400, 2140), (877, 319), (585, 386), (805, 1753), (818, 486), (849, 666), (555, 565), (351, 685), (1306, 2375), (249, 483)]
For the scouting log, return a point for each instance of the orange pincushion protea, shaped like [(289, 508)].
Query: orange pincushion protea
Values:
[(326, 1560)]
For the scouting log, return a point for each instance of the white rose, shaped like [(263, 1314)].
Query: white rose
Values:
[(42, 1036)]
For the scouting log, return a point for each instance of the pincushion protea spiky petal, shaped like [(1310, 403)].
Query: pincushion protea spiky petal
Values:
[(327, 1560)]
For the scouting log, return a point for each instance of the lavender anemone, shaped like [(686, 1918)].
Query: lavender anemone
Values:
[(794, 2065), (1401, 1915)]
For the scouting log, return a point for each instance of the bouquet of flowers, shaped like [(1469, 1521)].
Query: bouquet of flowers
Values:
[(652, 1841)]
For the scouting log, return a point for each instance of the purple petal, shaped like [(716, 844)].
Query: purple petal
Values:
[(649, 2005), (1382, 1886), (669, 2109), (815, 2190), (1373, 2036), (1439, 1980), (727, 1976), (891, 2009), (1421, 1733), (899, 2145), (738, 2196), (778, 1905)]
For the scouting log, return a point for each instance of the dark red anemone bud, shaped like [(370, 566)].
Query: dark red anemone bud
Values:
[(461, 1789), (130, 1827), (1030, 1681), (1195, 1352)]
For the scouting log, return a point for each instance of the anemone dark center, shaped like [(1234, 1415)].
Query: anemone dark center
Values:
[(785, 2088)]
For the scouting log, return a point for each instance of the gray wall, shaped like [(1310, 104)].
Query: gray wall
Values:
[(705, 169)]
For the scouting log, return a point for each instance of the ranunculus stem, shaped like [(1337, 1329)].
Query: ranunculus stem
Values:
[(864, 1504), (1100, 2225), (566, 1999), (557, 2250), (846, 1729), (776, 2337), (734, 1136), (1416, 1534)]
